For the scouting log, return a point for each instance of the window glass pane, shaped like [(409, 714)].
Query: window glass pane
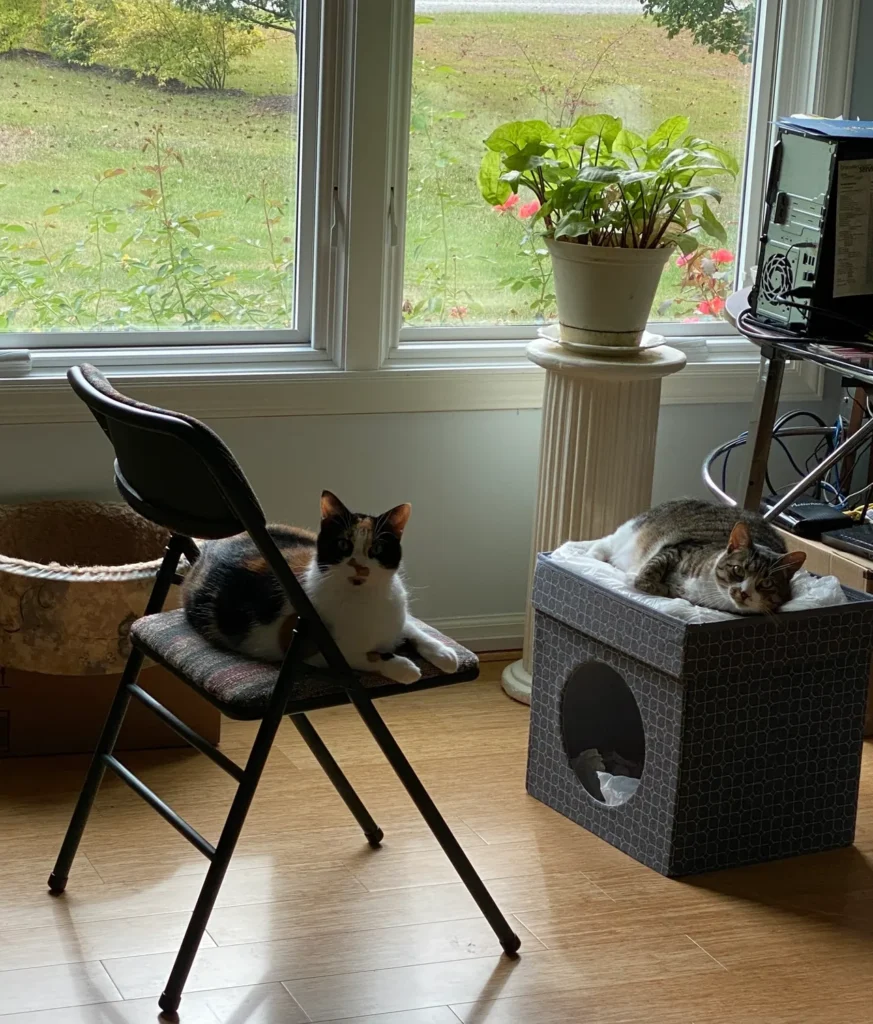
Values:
[(147, 164), (479, 64)]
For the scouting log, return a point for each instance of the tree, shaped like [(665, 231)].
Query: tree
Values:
[(19, 22), (725, 26), (278, 14)]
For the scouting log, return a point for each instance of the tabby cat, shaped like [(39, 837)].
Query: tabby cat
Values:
[(712, 555), (350, 571)]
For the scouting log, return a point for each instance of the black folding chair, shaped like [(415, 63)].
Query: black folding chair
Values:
[(176, 472)]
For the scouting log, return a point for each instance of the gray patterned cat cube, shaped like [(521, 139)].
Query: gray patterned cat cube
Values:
[(745, 734)]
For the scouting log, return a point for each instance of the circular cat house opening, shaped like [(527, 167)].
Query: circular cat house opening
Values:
[(603, 732), (73, 576)]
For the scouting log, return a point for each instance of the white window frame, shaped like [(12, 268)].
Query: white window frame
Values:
[(357, 358)]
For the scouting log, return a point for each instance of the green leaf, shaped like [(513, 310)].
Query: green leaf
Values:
[(446, 69), (687, 243), (18, 228), (626, 142), (51, 210), (494, 190), (573, 225), (424, 19), (668, 131), (711, 224), (418, 123), (207, 214), (515, 135), (600, 175), (700, 192), (526, 159), (724, 159), (593, 126)]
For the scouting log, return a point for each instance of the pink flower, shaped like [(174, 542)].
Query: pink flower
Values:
[(508, 205), (458, 312), (716, 305), (529, 209), (723, 256), (704, 307), (684, 259)]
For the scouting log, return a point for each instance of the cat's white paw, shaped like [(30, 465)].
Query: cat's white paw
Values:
[(400, 670), (443, 658)]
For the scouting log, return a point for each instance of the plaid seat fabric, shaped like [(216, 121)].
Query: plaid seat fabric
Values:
[(240, 687)]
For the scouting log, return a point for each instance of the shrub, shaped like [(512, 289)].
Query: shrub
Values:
[(74, 30), (19, 22), (159, 38)]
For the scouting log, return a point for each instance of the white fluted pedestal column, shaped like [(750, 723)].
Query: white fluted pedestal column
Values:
[(597, 454)]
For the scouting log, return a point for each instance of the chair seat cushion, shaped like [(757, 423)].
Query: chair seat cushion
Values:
[(241, 687)]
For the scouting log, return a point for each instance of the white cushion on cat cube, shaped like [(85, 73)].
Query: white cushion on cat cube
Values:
[(808, 591)]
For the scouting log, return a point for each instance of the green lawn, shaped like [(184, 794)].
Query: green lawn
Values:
[(62, 126)]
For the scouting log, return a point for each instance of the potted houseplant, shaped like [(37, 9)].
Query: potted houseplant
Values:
[(612, 206)]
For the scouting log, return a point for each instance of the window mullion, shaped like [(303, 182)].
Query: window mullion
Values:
[(367, 200)]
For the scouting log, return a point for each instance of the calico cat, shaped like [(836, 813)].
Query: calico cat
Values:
[(712, 555), (350, 571)]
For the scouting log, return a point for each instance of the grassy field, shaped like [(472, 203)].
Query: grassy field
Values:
[(62, 126)]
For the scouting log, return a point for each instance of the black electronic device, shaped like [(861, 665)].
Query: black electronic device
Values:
[(807, 518), (857, 540), (815, 260)]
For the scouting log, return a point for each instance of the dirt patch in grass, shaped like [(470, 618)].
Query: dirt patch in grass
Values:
[(16, 144)]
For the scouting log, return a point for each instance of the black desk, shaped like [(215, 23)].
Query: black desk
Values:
[(778, 348)]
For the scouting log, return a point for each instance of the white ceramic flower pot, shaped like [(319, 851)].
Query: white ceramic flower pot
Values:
[(605, 295)]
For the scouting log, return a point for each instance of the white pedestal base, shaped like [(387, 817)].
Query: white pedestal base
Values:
[(597, 454), (516, 682)]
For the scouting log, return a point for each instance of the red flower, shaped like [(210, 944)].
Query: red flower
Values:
[(723, 256), (458, 312), (529, 209), (508, 205), (684, 259), (704, 307), (716, 305)]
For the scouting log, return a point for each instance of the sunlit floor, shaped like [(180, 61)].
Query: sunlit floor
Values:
[(313, 925)]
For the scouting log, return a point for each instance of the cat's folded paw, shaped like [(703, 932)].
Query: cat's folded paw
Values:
[(443, 658), (400, 670)]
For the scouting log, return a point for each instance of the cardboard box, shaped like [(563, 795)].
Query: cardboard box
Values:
[(851, 570), (49, 714)]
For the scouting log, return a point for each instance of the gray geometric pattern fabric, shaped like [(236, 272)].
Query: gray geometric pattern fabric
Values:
[(753, 727)]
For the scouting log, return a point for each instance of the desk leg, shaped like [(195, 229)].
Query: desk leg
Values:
[(761, 428)]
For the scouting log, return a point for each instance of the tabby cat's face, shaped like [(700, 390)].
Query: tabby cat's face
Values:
[(756, 580), (360, 549)]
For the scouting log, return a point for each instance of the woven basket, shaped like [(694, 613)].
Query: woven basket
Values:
[(73, 576)]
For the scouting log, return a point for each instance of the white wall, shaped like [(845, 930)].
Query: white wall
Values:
[(470, 477)]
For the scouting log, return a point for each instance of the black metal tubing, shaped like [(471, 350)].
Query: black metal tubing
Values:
[(172, 994), (164, 809), (761, 427), (163, 581), (187, 733), (342, 785), (435, 821)]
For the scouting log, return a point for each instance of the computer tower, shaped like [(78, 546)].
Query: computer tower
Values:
[(815, 261)]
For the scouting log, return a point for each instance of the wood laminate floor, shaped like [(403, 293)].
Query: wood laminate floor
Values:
[(312, 925)]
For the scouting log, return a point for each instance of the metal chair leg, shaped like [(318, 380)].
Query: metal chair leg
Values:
[(435, 821), (57, 881), (171, 997), (371, 830)]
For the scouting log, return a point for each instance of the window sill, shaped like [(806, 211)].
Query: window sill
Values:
[(318, 388)]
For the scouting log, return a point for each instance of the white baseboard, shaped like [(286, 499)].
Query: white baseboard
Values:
[(484, 632)]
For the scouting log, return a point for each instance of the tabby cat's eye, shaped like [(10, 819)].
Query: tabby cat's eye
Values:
[(737, 572), (765, 585)]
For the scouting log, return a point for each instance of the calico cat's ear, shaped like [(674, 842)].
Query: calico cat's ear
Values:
[(332, 507), (740, 538), (397, 518), (790, 563)]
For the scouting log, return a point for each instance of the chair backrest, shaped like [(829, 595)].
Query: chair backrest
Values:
[(169, 467), (176, 472)]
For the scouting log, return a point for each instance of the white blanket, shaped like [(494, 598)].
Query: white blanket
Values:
[(808, 591)]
